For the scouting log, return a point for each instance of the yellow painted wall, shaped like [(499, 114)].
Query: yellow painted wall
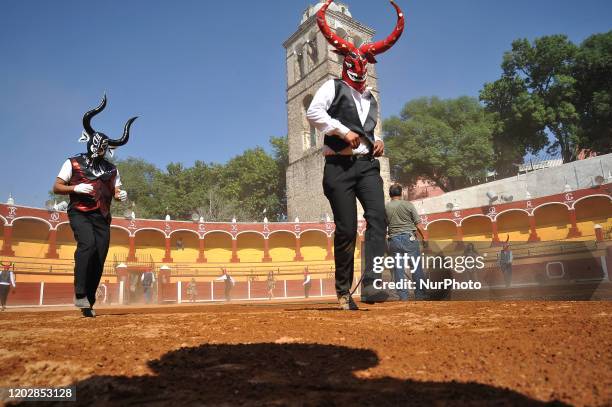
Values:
[(119, 244), (150, 242), (477, 229), (282, 246), (218, 247), (30, 238), (250, 247), (66, 244), (514, 224), (190, 250), (552, 222), (313, 245), (442, 230), (592, 211)]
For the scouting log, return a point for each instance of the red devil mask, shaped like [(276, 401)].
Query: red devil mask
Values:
[(355, 65)]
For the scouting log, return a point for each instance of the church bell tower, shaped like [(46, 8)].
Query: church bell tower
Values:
[(310, 62)]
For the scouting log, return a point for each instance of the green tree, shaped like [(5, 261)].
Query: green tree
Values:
[(243, 187), (593, 74), (535, 95), (445, 141), (252, 180), (137, 177), (280, 149)]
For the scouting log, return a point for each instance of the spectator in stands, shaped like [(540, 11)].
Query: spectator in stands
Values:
[(192, 291), (307, 283), (7, 279), (147, 279), (229, 284), (402, 230), (505, 263), (271, 284)]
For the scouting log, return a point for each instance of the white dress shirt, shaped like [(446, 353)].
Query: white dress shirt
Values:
[(225, 277), (317, 115)]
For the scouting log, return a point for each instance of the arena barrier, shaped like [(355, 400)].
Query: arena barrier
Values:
[(30, 294)]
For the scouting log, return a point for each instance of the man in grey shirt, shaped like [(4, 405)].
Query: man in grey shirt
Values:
[(402, 229)]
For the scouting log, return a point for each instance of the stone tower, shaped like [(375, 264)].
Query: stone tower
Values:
[(311, 62)]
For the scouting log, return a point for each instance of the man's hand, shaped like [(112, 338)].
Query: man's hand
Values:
[(352, 138), (379, 148), (85, 189), (121, 195)]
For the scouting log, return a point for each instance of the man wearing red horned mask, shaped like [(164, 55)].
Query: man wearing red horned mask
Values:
[(346, 112)]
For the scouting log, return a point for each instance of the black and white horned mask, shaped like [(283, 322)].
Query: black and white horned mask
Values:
[(98, 143)]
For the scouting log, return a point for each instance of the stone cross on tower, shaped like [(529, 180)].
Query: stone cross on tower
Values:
[(310, 62)]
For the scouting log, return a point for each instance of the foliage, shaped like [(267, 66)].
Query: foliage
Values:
[(551, 86), (593, 99), (446, 141), (243, 187)]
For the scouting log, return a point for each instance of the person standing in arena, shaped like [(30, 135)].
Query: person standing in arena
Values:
[(148, 279), (229, 283), (92, 182), (307, 282), (346, 112), (403, 239), (192, 290), (7, 279), (505, 263), (271, 284)]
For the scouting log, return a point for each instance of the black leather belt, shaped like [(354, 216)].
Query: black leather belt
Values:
[(336, 159)]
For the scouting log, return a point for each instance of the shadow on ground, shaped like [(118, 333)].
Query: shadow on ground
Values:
[(283, 375)]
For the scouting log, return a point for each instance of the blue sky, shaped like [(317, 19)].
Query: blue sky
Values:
[(208, 79)]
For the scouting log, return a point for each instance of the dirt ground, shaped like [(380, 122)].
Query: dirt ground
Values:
[(418, 353)]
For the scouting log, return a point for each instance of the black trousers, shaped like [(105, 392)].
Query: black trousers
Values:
[(345, 179), (92, 234), (4, 292)]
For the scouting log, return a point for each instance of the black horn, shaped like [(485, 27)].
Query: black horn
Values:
[(89, 115), (126, 134)]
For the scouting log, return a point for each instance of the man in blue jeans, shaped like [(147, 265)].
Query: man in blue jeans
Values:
[(402, 230)]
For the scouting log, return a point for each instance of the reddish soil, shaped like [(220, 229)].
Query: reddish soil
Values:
[(460, 353)]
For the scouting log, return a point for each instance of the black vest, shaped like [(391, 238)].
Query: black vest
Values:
[(344, 110), (147, 281), (104, 185), (5, 277)]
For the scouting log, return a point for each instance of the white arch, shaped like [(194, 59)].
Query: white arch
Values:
[(511, 210), (478, 215), (250, 231), (195, 232), (122, 228), (589, 196), (550, 203), (33, 218), (440, 220), (61, 223), (154, 229), (5, 222), (219, 231), (291, 232), (312, 230)]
